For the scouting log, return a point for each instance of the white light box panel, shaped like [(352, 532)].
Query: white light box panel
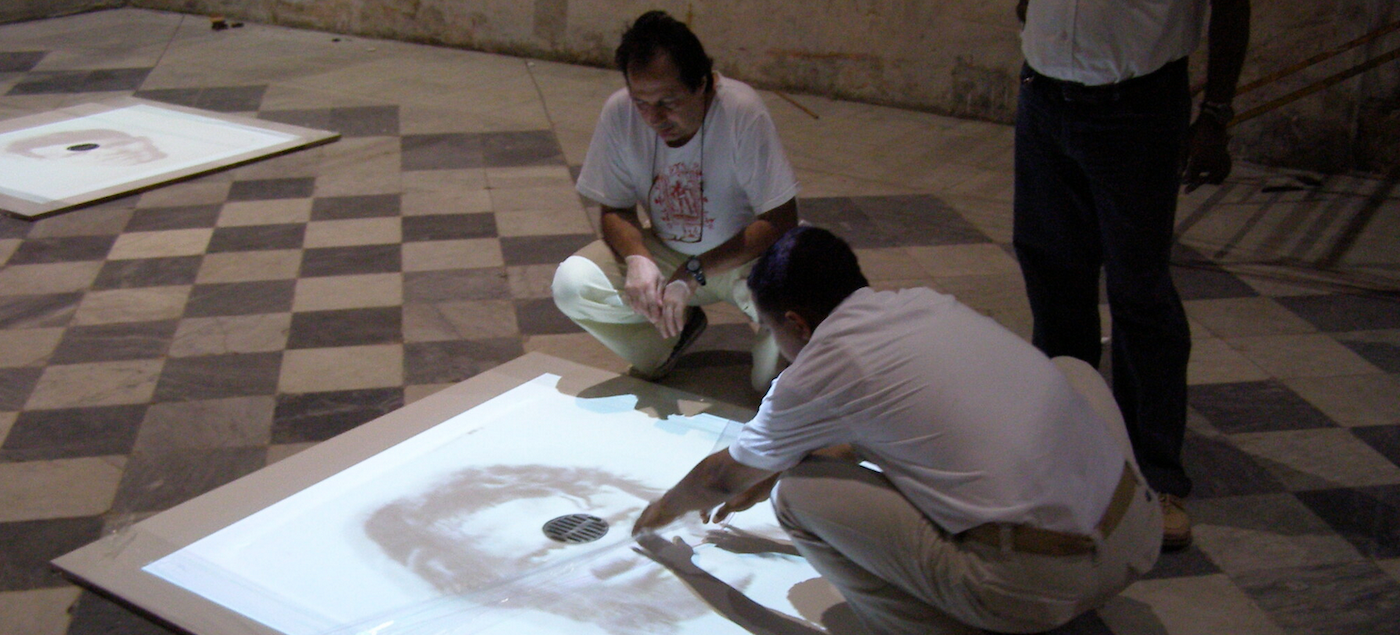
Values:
[(430, 521), (78, 155)]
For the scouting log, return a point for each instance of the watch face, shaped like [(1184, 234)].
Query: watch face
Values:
[(692, 265)]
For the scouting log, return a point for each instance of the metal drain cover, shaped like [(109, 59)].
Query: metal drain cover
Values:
[(576, 528)]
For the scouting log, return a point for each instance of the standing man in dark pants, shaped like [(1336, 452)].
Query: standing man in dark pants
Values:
[(1102, 144)]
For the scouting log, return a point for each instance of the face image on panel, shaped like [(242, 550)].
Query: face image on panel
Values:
[(95, 147), (484, 528)]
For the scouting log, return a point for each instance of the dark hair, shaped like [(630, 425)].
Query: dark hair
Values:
[(657, 31), (808, 270)]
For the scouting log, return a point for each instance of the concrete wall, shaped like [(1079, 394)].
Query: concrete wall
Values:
[(954, 57), (19, 10)]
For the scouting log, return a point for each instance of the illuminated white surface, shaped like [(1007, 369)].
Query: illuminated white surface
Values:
[(135, 143), (399, 543)]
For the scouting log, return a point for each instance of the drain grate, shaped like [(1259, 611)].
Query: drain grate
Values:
[(576, 528)]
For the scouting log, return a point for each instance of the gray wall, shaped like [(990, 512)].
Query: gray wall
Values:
[(17, 10), (955, 57)]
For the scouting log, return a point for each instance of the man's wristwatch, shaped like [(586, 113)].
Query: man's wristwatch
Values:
[(692, 266), (1220, 111)]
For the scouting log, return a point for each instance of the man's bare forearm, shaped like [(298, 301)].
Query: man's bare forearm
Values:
[(751, 242), (1227, 41), (622, 231)]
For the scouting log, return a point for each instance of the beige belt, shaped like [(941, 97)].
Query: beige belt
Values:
[(1045, 542)]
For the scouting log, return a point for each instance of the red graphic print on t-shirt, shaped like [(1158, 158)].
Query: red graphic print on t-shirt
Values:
[(678, 203)]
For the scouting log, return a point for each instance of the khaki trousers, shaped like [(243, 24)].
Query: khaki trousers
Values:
[(901, 573), (588, 289)]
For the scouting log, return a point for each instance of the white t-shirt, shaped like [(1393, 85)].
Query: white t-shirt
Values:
[(735, 163), (967, 420), (1096, 42)]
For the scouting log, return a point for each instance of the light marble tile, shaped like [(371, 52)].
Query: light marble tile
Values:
[(101, 220), (345, 368), (983, 292), (465, 320), (227, 334), (96, 384), (725, 313), (145, 304), (1391, 567), (428, 203), (37, 612), (60, 277), (348, 292), (530, 281), (543, 223), (582, 348), (274, 212), (529, 176), (7, 421), (62, 488), (161, 244), (1307, 459), (201, 192), (246, 266), (524, 199), (471, 253), (964, 260), (353, 232), (27, 347), (419, 391), (1357, 400), (1214, 361), (7, 248), (1200, 605), (1314, 355), (363, 165), (888, 263), (445, 181), (1236, 317)]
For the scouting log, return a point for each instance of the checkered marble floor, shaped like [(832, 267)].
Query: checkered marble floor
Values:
[(158, 345)]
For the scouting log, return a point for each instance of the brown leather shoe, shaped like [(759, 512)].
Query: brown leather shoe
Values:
[(1176, 525)]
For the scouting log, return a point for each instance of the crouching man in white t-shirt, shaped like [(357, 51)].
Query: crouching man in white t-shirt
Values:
[(1006, 496), (700, 154)]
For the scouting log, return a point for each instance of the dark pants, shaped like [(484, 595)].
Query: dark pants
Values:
[(1096, 187)]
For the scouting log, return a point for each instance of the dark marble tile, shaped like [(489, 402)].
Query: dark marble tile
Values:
[(445, 151), (268, 189), (15, 386), (241, 298), (344, 261), (1218, 468), (365, 121), (318, 416), (345, 207), (840, 216), (1256, 406), (540, 316), (257, 237), (1368, 517), (112, 79), (1199, 278), (1385, 439), (346, 327), (1383, 354), (27, 547), (215, 98), (218, 376), (725, 337), (33, 311), (521, 148), (157, 480), (919, 219), (318, 118), (542, 250), (183, 217), (449, 226), (64, 249), (42, 435), (454, 361), (148, 272), (1185, 563), (1354, 598), (1339, 312), (97, 615), (1085, 624), (11, 227), (455, 284), (20, 61), (111, 342)]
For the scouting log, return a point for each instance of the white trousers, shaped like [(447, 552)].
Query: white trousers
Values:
[(588, 289), (901, 573)]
